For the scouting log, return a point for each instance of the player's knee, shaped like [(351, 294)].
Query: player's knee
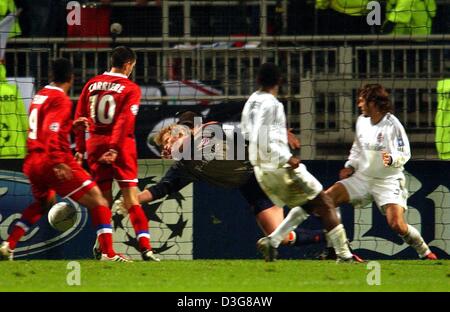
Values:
[(325, 205), (397, 224), (94, 198), (101, 201)]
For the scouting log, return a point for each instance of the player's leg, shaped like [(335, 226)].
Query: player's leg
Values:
[(338, 194), (315, 201), (324, 208), (107, 193), (44, 199), (144, 196), (269, 219), (391, 195), (97, 205), (269, 216), (274, 185), (410, 235), (354, 190), (126, 173), (139, 221), (30, 216), (83, 190)]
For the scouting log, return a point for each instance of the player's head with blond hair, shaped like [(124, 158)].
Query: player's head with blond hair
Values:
[(376, 94), (170, 136), (123, 60)]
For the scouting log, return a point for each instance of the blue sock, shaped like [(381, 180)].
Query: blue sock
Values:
[(307, 236)]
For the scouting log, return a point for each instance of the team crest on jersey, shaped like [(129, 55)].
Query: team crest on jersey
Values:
[(54, 127), (380, 137), (134, 109), (400, 141)]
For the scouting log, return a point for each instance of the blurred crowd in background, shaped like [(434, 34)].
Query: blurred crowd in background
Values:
[(47, 18)]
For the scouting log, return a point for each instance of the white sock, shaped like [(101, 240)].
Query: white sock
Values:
[(338, 239), (415, 240), (295, 216)]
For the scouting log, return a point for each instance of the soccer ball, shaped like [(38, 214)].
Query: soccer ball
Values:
[(62, 216)]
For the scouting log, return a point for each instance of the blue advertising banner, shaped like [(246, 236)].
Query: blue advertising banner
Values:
[(214, 223), (226, 228), (42, 241), (170, 220)]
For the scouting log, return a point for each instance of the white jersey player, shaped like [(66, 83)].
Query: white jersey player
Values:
[(374, 170), (281, 175)]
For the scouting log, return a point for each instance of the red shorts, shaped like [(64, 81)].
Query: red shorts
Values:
[(124, 170), (44, 183)]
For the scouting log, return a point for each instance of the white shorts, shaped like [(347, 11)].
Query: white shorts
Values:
[(364, 190), (286, 186)]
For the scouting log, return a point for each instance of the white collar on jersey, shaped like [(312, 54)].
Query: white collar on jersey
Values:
[(115, 74), (54, 88)]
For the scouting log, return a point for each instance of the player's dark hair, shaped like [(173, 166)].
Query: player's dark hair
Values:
[(377, 94), (61, 70), (122, 55), (269, 75)]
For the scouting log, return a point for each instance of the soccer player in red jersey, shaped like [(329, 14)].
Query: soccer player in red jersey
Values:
[(109, 104), (51, 167)]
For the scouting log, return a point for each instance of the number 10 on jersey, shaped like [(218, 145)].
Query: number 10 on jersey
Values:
[(98, 108)]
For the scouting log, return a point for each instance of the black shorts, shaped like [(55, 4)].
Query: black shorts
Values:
[(255, 196)]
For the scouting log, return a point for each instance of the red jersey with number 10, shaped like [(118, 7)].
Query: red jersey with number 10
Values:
[(50, 124), (110, 102)]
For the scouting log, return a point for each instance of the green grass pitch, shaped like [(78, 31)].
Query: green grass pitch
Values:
[(224, 276)]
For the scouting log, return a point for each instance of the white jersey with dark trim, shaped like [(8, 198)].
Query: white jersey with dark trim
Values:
[(372, 140)]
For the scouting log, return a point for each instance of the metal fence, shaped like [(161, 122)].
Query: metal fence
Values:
[(320, 79)]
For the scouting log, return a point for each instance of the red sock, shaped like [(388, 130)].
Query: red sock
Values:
[(101, 219), (30, 216), (140, 225), (16, 234)]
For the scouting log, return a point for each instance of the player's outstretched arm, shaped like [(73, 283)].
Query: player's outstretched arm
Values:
[(175, 179), (145, 196)]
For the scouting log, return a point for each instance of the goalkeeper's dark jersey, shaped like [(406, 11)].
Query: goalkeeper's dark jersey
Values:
[(218, 156)]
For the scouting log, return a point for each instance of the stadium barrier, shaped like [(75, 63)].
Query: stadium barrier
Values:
[(207, 222), (321, 79)]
